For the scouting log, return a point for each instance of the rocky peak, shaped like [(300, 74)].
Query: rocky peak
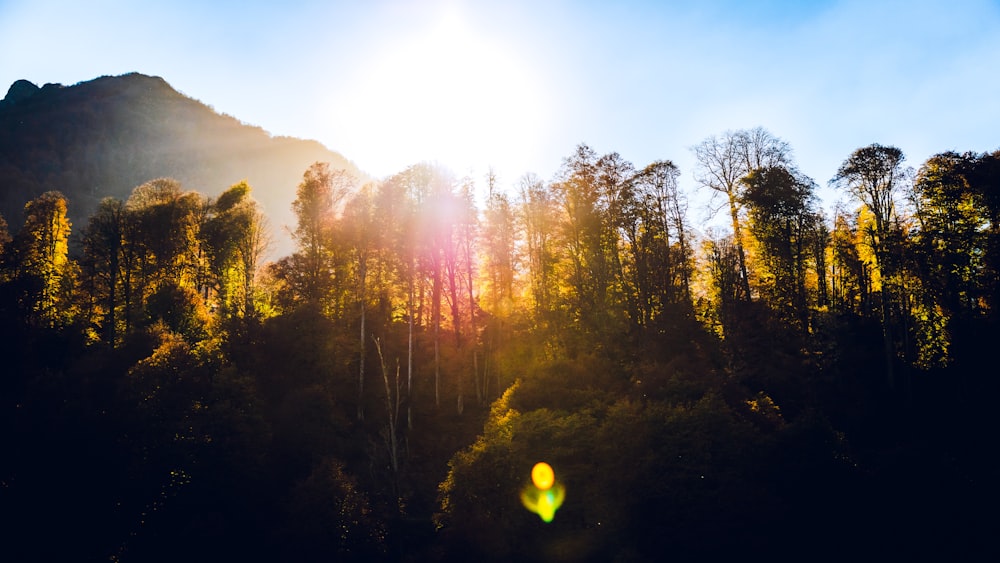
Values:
[(20, 91)]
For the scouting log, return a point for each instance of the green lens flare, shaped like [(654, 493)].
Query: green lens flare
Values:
[(544, 495)]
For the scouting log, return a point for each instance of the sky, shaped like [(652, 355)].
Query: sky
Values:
[(517, 85)]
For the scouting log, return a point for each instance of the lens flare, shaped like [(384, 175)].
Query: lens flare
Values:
[(544, 495), (542, 476)]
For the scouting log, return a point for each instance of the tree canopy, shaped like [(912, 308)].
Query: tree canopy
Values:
[(383, 391)]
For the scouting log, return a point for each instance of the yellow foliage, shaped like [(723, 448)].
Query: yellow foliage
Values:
[(500, 424), (765, 406)]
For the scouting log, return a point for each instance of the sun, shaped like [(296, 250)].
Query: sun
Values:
[(446, 94)]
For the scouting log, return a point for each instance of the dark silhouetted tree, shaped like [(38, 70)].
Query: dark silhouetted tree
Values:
[(104, 265), (782, 218), (874, 175)]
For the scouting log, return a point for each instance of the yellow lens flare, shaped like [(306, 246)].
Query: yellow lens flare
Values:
[(542, 476), (544, 495)]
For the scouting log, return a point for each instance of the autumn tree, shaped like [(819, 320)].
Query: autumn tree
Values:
[(984, 180), (781, 208), (536, 215), (396, 210), (167, 224), (419, 217), (437, 214), (874, 175), (724, 161), (952, 230), (40, 257), (659, 239), (850, 275), (316, 205), (467, 231), (363, 238), (235, 236), (499, 239), (615, 184), (723, 272), (104, 265), (589, 269)]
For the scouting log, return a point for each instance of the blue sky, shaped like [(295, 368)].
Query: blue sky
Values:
[(518, 84)]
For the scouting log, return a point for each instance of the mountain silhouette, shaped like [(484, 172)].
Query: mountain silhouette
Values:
[(106, 136)]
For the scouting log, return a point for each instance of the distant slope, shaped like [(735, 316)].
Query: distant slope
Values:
[(104, 137)]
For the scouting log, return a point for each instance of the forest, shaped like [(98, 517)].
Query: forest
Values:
[(795, 386), (103, 137)]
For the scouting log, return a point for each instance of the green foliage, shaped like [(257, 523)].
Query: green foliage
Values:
[(180, 309), (235, 238), (167, 222), (784, 222), (642, 477), (952, 239)]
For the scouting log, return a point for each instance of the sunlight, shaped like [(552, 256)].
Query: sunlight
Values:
[(447, 94)]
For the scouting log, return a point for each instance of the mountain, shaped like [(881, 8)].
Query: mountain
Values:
[(106, 136)]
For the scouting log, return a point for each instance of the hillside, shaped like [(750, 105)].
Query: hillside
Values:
[(104, 137)]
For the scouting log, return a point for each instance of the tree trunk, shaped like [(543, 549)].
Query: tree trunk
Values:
[(409, 355), (436, 320), (362, 274), (738, 239)]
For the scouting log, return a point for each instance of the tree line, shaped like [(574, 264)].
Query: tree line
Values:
[(550, 319)]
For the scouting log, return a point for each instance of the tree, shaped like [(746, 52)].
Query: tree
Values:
[(873, 175), (499, 240), (315, 206), (952, 236), (167, 224), (850, 279), (396, 210), (468, 227), (41, 258), (438, 211), (235, 236), (583, 232), (103, 263), (537, 209), (421, 215), (984, 180), (661, 211), (724, 273), (782, 218), (724, 162), (362, 229), (614, 179)]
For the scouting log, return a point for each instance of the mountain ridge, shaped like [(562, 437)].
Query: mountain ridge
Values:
[(103, 137)]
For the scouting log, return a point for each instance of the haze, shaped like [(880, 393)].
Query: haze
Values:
[(516, 85)]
